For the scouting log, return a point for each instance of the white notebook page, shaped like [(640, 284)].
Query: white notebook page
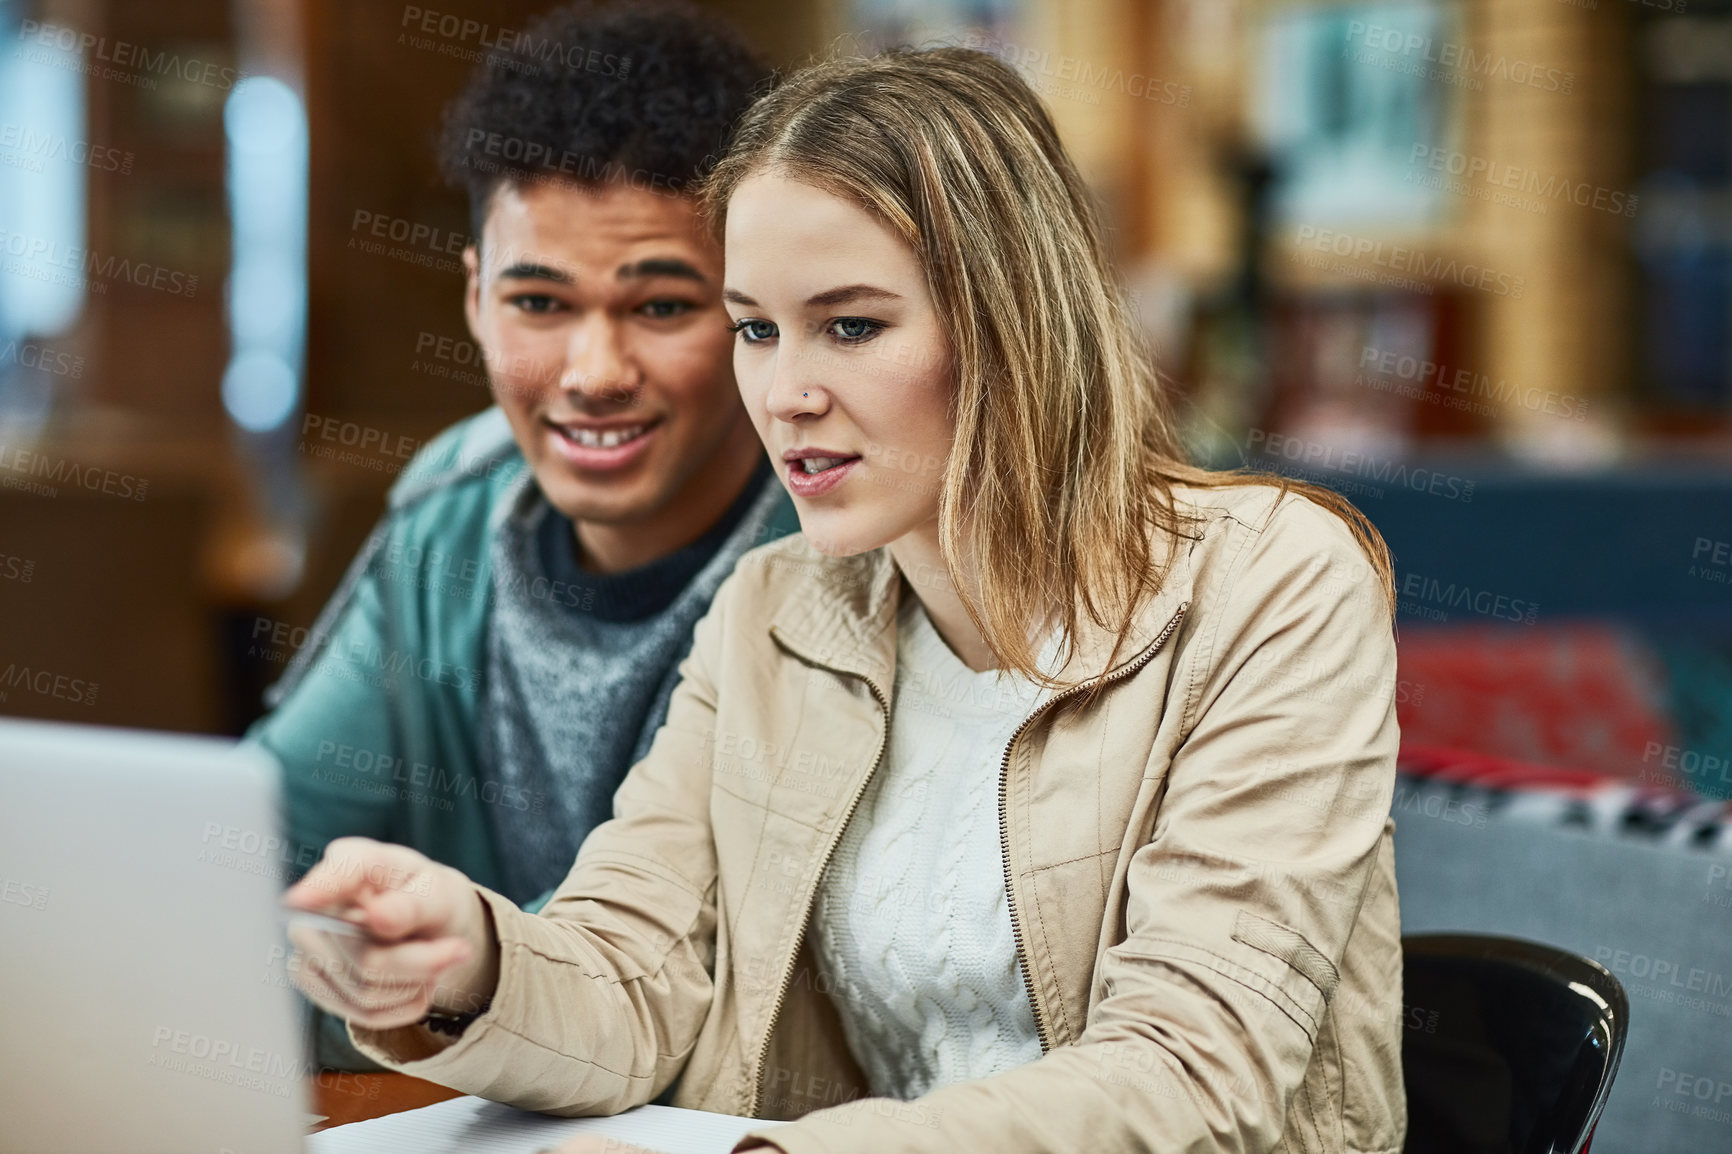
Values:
[(477, 1126)]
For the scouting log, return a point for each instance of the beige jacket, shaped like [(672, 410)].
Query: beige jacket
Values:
[(1199, 868)]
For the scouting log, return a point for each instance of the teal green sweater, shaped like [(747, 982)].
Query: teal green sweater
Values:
[(375, 722)]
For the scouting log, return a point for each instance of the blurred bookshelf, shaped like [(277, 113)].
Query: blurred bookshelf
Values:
[(1682, 251)]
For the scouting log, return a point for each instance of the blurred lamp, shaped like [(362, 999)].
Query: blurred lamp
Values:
[(267, 287), (259, 391)]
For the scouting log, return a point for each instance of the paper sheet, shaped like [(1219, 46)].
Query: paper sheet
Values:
[(477, 1126)]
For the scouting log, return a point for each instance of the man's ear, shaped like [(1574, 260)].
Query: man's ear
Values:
[(472, 292)]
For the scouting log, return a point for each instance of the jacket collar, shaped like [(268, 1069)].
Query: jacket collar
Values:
[(841, 611), (842, 615)]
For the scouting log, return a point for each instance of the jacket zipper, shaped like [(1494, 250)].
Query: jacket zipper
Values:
[(824, 864), (1155, 647), (1004, 847)]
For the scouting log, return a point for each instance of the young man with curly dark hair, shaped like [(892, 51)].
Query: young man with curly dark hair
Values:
[(504, 647)]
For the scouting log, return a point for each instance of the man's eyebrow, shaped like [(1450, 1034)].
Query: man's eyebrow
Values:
[(661, 266), (529, 270), (847, 294)]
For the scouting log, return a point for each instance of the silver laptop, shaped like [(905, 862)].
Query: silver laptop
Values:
[(144, 1004)]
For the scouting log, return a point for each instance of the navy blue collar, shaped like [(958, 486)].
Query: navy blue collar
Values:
[(641, 593)]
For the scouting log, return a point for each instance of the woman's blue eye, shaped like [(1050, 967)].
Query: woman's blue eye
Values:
[(752, 331), (853, 330)]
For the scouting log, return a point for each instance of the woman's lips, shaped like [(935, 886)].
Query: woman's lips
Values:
[(804, 484), (598, 457)]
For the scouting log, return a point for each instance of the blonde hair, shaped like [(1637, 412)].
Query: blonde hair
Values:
[(1065, 457)]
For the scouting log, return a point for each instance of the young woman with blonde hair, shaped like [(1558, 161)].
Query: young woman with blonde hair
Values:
[(1033, 798)]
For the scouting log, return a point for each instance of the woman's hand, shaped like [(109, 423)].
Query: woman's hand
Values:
[(426, 940)]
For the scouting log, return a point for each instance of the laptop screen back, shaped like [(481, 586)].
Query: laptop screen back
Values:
[(146, 1007)]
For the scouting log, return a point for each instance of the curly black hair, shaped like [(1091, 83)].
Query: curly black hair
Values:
[(642, 93)]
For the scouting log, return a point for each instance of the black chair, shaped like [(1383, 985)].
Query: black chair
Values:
[(1509, 1047)]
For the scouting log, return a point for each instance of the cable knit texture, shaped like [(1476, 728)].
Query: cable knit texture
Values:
[(911, 927), (580, 669)]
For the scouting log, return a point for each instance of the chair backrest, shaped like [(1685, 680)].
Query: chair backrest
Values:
[(1510, 1047)]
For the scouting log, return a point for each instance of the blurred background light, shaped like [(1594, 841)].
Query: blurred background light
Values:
[(266, 131), (259, 391), (42, 204)]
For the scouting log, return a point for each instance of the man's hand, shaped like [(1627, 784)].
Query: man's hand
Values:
[(427, 940)]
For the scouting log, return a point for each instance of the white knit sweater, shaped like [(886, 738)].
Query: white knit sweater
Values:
[(911, 927)]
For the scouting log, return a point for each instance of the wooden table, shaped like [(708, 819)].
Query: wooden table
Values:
[(346, 1098)]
